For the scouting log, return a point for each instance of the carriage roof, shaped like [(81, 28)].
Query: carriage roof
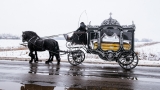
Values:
[(112, 23)]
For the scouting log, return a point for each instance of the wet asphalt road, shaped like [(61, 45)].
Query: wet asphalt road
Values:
[(85, 76)]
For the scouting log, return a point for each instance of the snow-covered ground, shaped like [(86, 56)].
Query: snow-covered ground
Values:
[(7, 43), (148, 52)]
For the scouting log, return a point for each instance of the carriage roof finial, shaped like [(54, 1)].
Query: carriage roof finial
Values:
[(110, 14)]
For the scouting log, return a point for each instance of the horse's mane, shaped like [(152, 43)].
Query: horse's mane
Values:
[(32, 33)]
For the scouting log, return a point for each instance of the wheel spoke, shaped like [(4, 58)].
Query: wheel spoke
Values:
[(76, 57), (129, 62)]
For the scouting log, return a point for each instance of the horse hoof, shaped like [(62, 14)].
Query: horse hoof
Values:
[(36, 61), (47, 62), (30, 62), (58, 63)]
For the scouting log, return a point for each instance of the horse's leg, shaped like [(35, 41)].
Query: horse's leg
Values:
[(57, 54), (50, 56), (32, 56), (36, 57)]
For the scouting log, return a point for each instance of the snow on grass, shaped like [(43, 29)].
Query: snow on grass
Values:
[(148, 51), (7, 43)]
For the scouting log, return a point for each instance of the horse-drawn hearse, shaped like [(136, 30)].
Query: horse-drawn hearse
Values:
[(110, 41)]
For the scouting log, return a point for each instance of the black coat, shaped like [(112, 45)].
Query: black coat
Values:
[(80, 38), (83, 29)]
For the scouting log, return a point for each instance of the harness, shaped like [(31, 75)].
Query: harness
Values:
[(37, 42)]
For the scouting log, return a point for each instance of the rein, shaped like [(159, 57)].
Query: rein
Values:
[(64, 52)]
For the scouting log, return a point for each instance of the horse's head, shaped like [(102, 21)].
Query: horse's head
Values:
[(24, 37), (27, 35)]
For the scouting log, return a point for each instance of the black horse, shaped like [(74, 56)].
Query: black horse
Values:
[(35, 43)]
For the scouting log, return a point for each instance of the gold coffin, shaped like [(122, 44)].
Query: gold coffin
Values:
[(112, 46)]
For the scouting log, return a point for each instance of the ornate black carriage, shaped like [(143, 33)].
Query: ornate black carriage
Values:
[(110, 40)]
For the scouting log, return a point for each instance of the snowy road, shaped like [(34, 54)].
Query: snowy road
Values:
[(17, 75)]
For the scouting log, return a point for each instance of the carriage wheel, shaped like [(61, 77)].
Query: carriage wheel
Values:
[(83, 55), (128, 60), (76, 57)]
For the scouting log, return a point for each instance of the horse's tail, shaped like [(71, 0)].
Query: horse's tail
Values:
[(57, 52), (57, 44)]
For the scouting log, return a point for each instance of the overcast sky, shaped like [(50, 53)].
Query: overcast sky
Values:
[(52, 17)]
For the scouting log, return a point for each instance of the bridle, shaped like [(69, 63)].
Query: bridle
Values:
[(24, 36)]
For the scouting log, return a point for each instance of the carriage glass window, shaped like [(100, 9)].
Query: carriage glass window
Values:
[(110, 39), (93, 38), (127, 40)]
